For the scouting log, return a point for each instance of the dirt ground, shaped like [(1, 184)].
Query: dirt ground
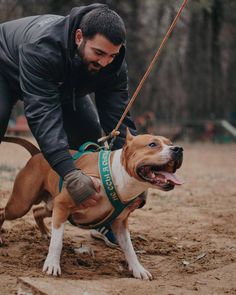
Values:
[(186, 237)]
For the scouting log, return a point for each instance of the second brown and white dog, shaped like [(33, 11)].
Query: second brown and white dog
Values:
[(146, 161)]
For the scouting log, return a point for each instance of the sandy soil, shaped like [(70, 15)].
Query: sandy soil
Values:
[(186, 237)]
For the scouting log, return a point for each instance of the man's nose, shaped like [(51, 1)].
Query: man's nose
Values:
[(105, 61)]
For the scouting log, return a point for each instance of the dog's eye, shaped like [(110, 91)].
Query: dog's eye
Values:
[(152, 144)]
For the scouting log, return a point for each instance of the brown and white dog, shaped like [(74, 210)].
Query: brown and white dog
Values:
[(146, 161)]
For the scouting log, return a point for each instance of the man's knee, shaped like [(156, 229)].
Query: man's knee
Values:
[(94, 131), (82, 123)]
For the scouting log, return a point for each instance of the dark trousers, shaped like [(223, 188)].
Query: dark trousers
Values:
[(81, 122), (6, 104)]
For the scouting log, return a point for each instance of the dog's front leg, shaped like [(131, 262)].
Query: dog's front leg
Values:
[(122, 235), (52, 263)]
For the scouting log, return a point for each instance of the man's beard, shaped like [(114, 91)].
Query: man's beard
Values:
[(91, 68)]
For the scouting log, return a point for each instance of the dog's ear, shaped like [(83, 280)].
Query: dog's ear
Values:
[(129, 136)]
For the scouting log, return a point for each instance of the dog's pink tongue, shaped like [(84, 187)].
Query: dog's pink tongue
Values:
[(172, 177)]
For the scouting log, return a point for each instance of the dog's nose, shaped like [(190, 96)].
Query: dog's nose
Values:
[(177, 156), (177, 150)]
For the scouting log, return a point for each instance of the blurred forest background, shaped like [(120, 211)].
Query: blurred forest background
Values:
[(194, 78)]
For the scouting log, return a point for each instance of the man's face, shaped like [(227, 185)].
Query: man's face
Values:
[(96, 53)]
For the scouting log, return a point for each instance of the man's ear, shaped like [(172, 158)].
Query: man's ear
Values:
[(78, 37), (129, 136)]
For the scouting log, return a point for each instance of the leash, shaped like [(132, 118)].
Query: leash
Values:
[(107, 182), (115, 131)]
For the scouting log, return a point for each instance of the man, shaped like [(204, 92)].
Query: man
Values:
[(52, 63)]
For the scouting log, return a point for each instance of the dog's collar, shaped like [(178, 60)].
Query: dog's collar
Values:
[(107, 182)]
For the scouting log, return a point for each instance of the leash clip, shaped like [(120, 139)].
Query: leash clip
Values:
[(111, 136)]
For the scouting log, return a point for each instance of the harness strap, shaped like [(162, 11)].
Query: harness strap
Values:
[(106, 177), (109, 187)]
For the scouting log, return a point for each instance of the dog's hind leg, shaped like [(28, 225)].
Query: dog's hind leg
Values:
[(39, 214), (26, 192)]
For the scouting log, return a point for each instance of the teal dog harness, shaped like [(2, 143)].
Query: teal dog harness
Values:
[(107, 182)]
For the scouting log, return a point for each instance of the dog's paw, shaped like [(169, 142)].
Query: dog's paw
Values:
[(139, 272), (52, 266)]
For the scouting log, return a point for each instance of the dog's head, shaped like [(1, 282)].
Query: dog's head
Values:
[(152, 159)]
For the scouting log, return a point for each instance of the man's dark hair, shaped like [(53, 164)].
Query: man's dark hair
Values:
[(106, 22)]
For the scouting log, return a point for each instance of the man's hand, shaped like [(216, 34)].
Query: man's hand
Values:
[(82, 189)]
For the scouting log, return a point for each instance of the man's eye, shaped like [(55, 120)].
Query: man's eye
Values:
[(98, 52), (152, 144)]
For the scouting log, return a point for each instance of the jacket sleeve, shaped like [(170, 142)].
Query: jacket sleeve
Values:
[(111, 102), (41, 95)]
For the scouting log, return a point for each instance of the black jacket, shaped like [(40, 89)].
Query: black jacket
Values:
[(38, 57)]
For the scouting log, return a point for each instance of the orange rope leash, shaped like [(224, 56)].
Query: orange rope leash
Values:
[(115, 131)]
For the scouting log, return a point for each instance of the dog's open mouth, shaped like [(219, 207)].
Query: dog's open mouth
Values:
[(160, 175)]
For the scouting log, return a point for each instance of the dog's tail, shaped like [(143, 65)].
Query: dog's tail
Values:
[(31, 148)]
